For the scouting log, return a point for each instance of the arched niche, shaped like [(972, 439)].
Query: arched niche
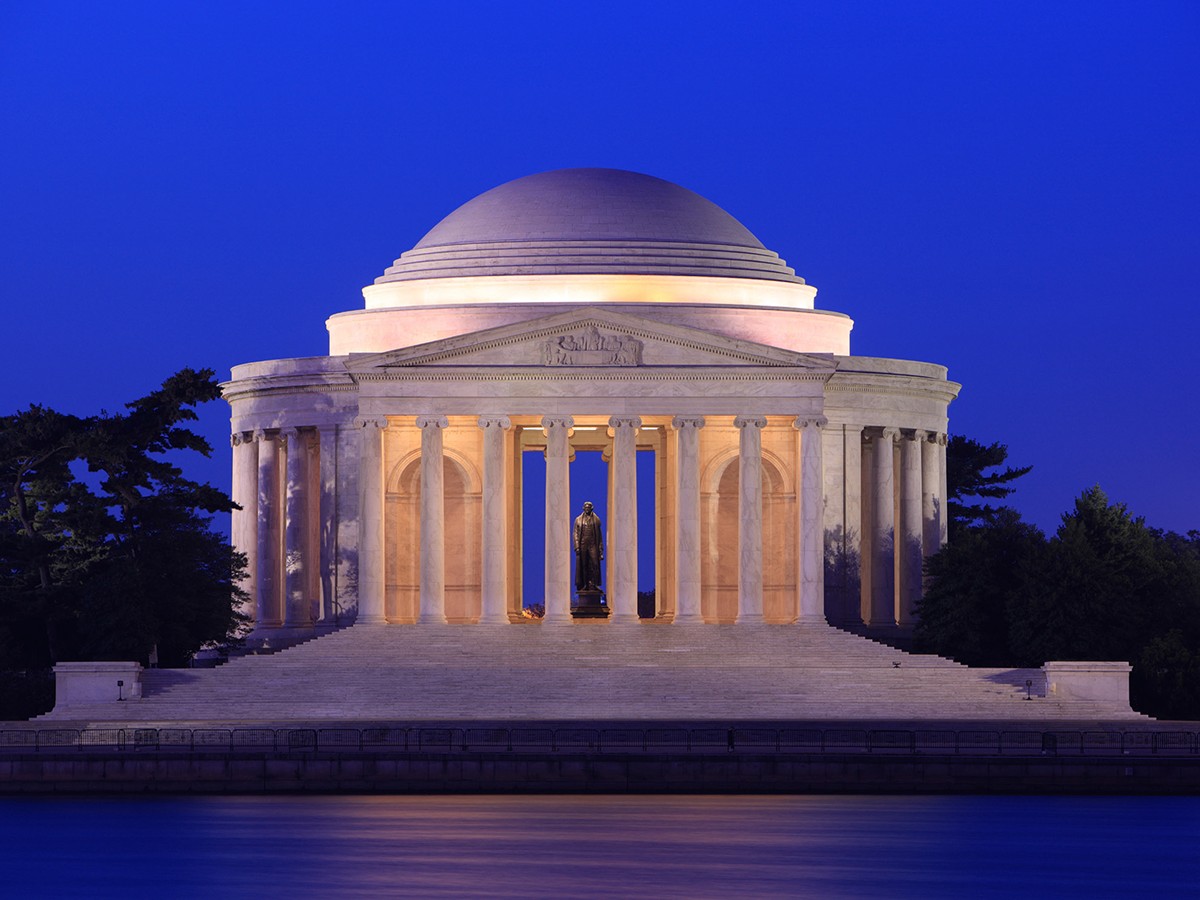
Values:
[(462, 490), (720, 558)]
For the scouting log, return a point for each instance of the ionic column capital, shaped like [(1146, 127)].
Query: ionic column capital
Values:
[(503, 423), (615, 422), (297, 436), (379, 422), (553, 422), (803, 422), (259, 435), (238, 438), (940, 438), (889, 434), (750, 422), (919, 435), (681, 422), (424, 422)]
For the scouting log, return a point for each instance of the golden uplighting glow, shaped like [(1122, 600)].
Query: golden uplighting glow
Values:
[(589, 289)]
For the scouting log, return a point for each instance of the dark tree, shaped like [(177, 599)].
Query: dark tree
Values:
[(1105, 587), (106, 549), (1097, 591), (974, 476), (972, 585), (1166, 676)]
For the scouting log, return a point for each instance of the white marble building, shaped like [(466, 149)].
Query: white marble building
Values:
[(587, 309)]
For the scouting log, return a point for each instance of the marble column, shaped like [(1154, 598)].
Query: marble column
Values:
[(297, 613), (750, 513), (811, 606), (610, 501), (850, 565), (883, 531), (495, 583), (266, 601), (687, 519), (931, 502), (943, 493), (558, 430), (867, 499), (371, 574), (347, 496), (433, 521), (623, 513), (327, 522), (243, 526), (911, 538)]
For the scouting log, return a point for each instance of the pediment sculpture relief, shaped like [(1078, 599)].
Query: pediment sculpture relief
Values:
[(591, 348)]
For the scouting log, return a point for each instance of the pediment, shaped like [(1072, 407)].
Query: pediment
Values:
[(589, 338)]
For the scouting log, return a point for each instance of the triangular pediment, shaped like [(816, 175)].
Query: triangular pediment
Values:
[(589, 338)]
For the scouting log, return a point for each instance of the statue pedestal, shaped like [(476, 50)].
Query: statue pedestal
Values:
[(589, 605)]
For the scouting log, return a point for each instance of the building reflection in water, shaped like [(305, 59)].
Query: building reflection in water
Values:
[(599, 846)]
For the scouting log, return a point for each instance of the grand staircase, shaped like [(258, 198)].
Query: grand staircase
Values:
[(592, 671)]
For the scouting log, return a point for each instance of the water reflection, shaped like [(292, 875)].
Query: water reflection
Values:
[(599, 846)]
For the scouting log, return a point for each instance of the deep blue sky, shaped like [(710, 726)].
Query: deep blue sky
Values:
[(1007, 188)]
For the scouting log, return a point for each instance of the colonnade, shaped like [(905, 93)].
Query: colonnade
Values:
[(907, 519), (557, 430), (287, 484)]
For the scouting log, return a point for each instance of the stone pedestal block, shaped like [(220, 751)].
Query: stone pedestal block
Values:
[(590, 605), (79, 684), (1107, 682)]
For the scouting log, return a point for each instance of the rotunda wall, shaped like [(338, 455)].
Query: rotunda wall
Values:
[(380, 330)]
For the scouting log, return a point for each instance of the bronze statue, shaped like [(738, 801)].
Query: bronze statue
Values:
[(589, 550)]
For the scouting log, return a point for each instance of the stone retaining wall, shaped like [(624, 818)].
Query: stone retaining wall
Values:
[(502, 772)]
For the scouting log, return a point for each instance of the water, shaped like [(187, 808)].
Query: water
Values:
[(662, 847)]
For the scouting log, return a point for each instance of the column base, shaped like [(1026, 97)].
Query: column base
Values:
[(559, 615), (749, 619), (817, 619)]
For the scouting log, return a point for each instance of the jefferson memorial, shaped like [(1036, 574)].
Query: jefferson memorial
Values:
[(587, 310)]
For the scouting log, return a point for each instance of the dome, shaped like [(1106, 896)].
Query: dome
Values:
[(589, 222)]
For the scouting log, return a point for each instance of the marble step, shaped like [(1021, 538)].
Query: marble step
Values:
[(593, 671)]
